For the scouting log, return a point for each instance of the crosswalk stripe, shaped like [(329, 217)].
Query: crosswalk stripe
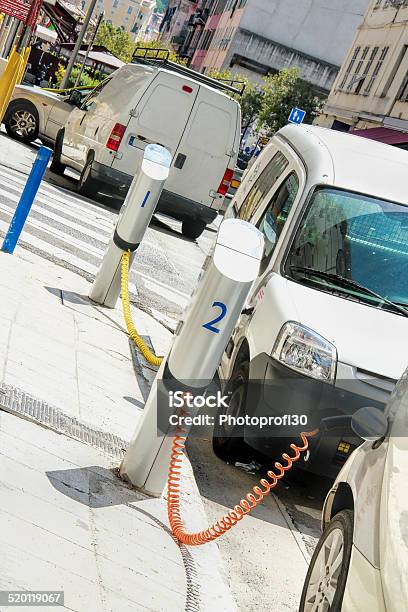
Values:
[(87, 247), (60, 204), (60, 193), (73, 232), (38, 207)]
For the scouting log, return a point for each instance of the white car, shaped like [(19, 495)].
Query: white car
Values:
[(361, 560), (37, 113), (325, 328)]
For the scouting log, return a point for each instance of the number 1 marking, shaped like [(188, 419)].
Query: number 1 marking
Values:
[(211, 324), (145, 199)]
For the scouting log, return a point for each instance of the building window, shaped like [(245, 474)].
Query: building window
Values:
[(377, 69), (349, 67), (357, 76)]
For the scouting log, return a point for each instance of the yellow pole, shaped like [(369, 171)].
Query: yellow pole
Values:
[(13, 73)]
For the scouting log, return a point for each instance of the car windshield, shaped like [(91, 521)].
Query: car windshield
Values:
[(355, 246)]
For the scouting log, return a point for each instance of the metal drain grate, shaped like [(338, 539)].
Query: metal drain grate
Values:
[(17, 402)]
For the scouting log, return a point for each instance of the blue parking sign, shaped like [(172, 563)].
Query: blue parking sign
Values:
[(296, 115)]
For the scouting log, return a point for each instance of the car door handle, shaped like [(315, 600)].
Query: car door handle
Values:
[(180, 160), (83, 117)]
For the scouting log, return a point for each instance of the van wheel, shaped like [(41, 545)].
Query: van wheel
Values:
[(326, 578), (228, 440), (22, 121), (192, 229), (87, 185), (56, 166)]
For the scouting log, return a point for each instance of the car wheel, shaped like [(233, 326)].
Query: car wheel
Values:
[(87, 185), (192, 229), (22, 121), (228, 440), (56, 165), (326, 578)]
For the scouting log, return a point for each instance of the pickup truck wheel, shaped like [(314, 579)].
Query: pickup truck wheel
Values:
[(192, 229), (56, 166), (22, 121), (228, 439), (87, 185)]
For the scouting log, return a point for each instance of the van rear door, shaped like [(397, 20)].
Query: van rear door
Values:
[(208, 147), (160, 117)]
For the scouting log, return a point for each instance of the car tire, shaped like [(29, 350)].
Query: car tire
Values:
[(87, 186), (56, 166), (228, 442), (327, 574), (22, 121), (192, 229)]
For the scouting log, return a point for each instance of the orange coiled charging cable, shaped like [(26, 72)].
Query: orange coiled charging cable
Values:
[(244, 507)]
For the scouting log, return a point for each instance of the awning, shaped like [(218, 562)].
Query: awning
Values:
[(104, 58), (381, 134), (46, 34)]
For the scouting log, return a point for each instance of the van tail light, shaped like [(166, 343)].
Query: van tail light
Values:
[(226, 182), (116, 136)]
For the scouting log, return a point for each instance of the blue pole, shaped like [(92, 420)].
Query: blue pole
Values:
[(26, 200)]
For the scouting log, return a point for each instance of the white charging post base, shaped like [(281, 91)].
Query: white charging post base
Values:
[(197, 348), (134, 218)]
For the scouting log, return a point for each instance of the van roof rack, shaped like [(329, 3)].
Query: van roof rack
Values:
[(146, 55)]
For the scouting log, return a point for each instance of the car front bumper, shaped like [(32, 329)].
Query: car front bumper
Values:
[(275, 390)]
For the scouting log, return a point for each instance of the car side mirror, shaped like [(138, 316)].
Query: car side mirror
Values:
[(75, 98), (369, 424)]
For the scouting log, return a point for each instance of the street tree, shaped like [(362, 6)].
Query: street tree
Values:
[(251, 98), (280, 93), (159, 44), (116, 40)]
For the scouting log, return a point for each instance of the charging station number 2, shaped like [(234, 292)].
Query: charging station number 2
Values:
[(211, 325)]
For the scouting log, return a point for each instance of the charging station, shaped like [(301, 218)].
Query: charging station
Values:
[(134, 218), (197, 348)]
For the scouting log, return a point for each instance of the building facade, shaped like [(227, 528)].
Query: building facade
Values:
[(259, 37), (371, 89), (132, 16)]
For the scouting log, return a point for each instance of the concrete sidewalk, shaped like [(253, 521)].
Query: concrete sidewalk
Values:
[(66, 521)]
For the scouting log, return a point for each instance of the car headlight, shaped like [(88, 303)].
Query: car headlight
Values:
[(306, 352)]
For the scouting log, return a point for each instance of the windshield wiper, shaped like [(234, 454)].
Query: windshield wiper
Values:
[(349, 283)]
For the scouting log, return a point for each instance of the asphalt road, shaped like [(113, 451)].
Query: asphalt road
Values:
[(167, 268)]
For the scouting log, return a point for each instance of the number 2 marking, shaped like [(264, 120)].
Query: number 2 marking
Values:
[(211, 324)]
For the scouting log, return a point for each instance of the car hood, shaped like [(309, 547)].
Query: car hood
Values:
[(38, 91), (365, 337)]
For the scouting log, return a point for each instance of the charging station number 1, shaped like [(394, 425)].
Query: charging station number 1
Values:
[(211, 325)]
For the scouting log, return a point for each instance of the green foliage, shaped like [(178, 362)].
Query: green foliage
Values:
[(86, 79), (251, 98), (269, 104), (116, 40), (121, 45), (281, 92), (159, 44), (161, 6)]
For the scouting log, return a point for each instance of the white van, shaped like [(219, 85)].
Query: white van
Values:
[(156, 101), (326, 327)]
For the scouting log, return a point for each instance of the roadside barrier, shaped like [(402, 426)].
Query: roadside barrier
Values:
[(26, 201)]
